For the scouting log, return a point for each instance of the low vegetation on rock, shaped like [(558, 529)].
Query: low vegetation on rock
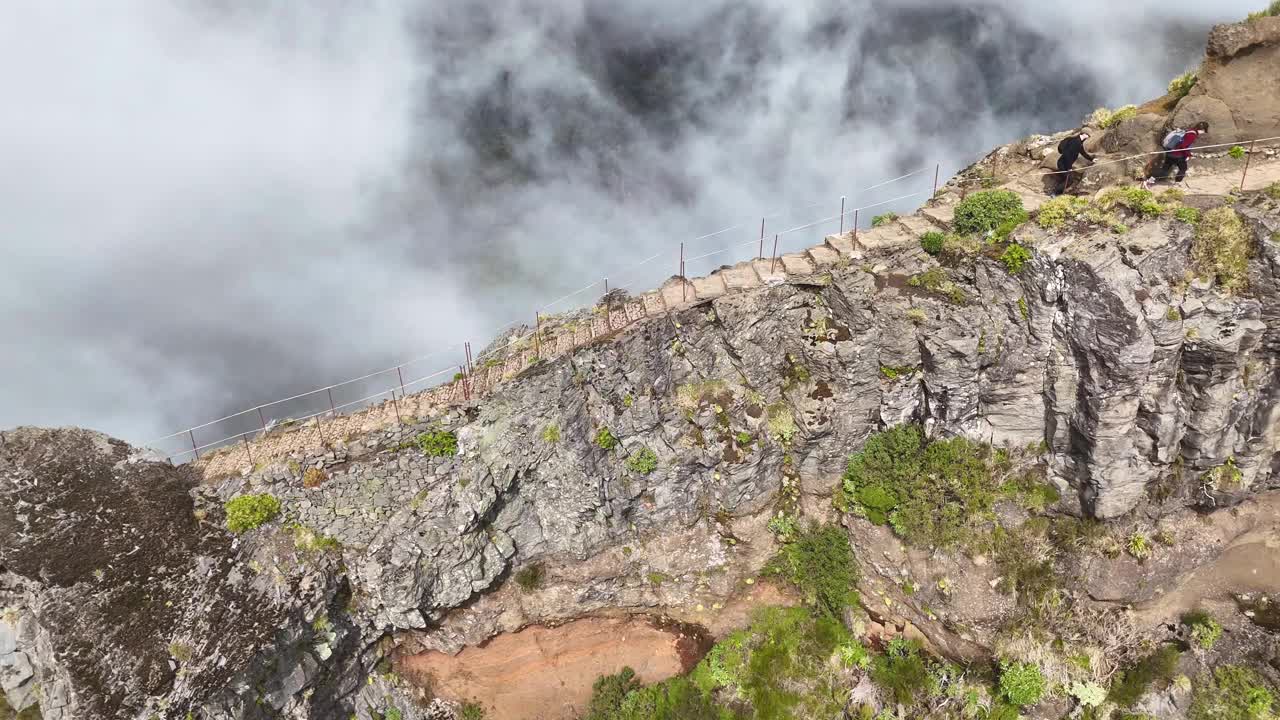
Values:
[(438, 443), (246, 512), (1221, 249), (884, 219), (643, 461), (1181, 85), (990, 211), (605, 440)]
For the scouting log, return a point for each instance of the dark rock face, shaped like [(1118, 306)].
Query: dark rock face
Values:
[(124, 600)]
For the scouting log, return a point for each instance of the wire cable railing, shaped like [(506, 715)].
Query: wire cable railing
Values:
[(463, 364)]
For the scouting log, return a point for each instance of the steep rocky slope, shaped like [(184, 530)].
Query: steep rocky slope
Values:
[(654, 472)]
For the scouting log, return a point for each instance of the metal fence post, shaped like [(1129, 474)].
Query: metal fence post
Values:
[(761, 253), (841, 214), (683, 289), (936, 169), (773, 263), (606, 286), (245, 438), (537, 334), (1247, 158), (855, 224), (261, 420), (332, 410), (194, 449), (466, 391), (401, 376), (396, 404)]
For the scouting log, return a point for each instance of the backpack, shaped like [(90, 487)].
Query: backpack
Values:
[(1173, 139)]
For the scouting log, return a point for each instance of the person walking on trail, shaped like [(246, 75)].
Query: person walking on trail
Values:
[(1177, 146), (1071, 148)]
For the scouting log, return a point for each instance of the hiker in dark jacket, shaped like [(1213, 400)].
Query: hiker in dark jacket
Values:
[(1069, 149), (1178, 155)]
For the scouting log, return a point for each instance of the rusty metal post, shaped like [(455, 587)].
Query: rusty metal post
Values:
[(466, 391), (470, 367), (761, 253), (774, 262), (260, 418), (855, 224), (396, 404), (194, 449), (332, 410), (841, 214), (245, 438), (937, 168), (1247, 158), (401, 376), (683, 287)]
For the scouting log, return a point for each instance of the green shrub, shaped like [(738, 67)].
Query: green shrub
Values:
[(1236, 152), (643, 461), (884, 219), (1060, 210), (932, 494), (1138, 546), (1234, 693), (901, 671), (1021, 683), (1274, 190), (1188, 215), (551, 433), (1023, 310), (471, 711), (987, 210), (932, 242), (1090, 694), (1137, 199), (438, 443), (1221, 248), (1105, 118), (605, 439), (784, 526), (1224, 478), (1181, 85), (1205, 631), (246, 512), (820, 564), (936, 280), (1129, 686), (530, 577), (1014, 257), (916, 315)]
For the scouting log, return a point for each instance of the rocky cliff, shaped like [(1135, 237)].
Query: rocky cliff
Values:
[(1125, 358)]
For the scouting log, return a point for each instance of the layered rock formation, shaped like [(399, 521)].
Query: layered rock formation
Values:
[(639, 473)]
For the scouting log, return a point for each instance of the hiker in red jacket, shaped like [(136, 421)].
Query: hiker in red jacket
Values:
[(1177, 151)]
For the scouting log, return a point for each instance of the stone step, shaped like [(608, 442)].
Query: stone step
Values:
[(916, 225), (740, 277), (678, 292), (769, 272), (709, 287), (652, 302), (885, 236), (841, 244), (796, 264), (941, 215), (823, 256)]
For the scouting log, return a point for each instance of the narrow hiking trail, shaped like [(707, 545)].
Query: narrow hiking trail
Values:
[(558, 337)]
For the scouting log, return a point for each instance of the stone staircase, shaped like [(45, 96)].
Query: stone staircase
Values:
[(673, 296)]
